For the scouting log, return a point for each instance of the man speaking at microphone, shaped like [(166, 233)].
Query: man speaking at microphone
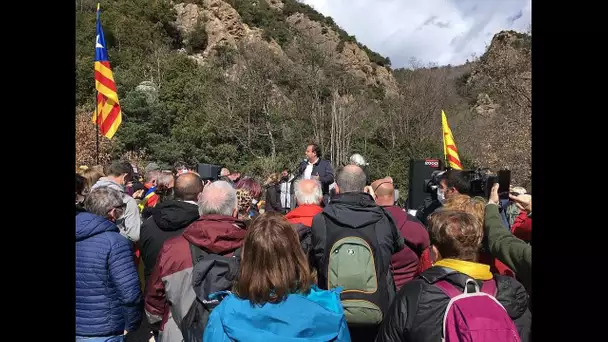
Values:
[(316, 168)]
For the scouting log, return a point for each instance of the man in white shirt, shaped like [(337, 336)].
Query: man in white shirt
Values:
[(316, 168)]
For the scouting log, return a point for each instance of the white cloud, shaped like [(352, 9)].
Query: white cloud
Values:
[(437, 31)]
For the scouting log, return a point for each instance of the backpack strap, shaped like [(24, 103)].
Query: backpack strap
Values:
[(489, 287), (447, 288), (452, 291), (196, 253)]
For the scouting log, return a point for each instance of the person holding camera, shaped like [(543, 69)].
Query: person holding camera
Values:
[(451, 182), (503, 245)]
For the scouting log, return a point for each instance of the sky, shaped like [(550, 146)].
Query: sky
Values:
[(432, 31)]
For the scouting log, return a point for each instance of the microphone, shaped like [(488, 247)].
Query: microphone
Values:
[(297, 172)]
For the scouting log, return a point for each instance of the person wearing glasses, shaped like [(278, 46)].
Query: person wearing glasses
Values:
[(108, 293)]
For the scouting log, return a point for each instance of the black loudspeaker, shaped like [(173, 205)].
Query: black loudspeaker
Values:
[(420, 171), (209, 171)]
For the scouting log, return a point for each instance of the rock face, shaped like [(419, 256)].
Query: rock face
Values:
[(224, 26), (275, 4), (353, 58), (502, 81)]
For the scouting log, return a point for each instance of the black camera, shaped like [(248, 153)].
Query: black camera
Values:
[(481, 181), (430, 185)]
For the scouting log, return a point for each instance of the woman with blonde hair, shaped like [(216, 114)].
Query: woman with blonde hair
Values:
[(275, 297), (476, 206), (272, 201), (91, 175)]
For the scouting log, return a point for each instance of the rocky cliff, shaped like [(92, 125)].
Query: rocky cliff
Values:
[(223, 25)]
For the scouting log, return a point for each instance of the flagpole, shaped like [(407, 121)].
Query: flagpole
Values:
[(445, 150), (97, 112), (96, 132)]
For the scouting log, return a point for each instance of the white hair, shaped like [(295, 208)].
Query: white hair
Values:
[(314, 197), (218, 198), (358, 160)]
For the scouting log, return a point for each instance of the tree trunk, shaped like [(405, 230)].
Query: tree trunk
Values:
[(273, 146)]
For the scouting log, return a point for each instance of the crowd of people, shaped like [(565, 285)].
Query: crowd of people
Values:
[(311, 254)]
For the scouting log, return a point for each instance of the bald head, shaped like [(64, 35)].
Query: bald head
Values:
[(384, 191), (224, 172), (351, 179), (308, 191), (218, 198), (187, 187)]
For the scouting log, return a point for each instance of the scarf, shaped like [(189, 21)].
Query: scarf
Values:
[(472, 269), (151, 192)]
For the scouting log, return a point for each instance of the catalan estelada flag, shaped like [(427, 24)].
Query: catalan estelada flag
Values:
[(151, 192), (449, 146), (107, 115)]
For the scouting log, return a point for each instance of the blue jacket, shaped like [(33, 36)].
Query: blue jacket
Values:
[(317, 317), (108, 294)]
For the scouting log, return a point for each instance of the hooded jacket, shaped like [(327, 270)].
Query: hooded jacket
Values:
[(169, 219), (315, 317), (169, 289), (354, 210), (130, 221), (416, 314), (108, 294)]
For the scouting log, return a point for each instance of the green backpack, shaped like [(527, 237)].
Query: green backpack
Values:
[(355, 264)]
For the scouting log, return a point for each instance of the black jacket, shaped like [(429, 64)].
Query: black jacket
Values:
[(416, 314), (168, 219), (325, 171), (273, 199), (354, 210)]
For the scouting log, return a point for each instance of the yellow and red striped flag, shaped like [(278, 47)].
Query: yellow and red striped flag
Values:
[(107, 115), (450, 151)]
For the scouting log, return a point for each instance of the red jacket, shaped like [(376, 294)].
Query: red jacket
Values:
[(170, 281), (496, 266), (303, 214), (522, 227)]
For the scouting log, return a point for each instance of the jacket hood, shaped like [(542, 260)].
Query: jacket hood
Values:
[(88, 225), (216, 233), (314, 317), (303, 214), (174, 215), (105, 181), (354, 210)]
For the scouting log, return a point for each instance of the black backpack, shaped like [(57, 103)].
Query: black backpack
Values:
[(210, 273), (354, 261)]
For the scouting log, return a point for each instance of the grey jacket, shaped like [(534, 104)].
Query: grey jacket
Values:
[(130, 221)]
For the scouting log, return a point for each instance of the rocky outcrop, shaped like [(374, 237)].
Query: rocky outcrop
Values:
[(501, 80), (223, 26), (275, 4), (348, 54)]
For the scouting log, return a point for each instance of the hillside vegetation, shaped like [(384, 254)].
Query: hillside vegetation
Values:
[(246, 83)]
